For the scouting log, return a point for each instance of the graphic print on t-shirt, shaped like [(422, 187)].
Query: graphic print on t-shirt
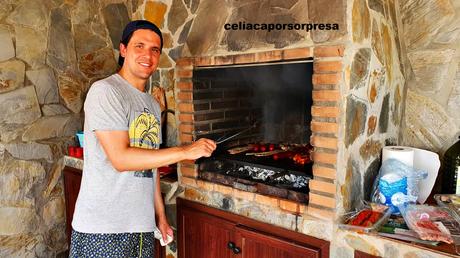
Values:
[(144, 132)]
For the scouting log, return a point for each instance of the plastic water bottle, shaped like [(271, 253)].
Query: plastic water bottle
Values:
[(393, 191)]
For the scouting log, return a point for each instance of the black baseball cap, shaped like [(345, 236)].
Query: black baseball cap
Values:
[(131, 27)]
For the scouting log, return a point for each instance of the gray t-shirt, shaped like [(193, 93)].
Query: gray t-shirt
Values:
[(110, 201)]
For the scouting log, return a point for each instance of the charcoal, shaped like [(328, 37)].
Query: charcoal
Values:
[(282, 184)]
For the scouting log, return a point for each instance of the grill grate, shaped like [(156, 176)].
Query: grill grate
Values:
[(282, 174)]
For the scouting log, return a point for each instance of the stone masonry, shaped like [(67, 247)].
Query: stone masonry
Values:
[(50, 53), (431, 30)]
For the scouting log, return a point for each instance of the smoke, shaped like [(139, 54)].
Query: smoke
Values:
[(278, 96)]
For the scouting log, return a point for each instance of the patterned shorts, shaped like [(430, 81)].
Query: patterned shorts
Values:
[(126, 245)]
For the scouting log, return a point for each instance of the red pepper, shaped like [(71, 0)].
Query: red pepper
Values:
[(375, 216), (361, 217)]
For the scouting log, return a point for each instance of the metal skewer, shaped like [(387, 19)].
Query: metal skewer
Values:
[(236, 134)]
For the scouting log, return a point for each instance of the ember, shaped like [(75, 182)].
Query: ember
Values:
[(270, 175), (258, 174)]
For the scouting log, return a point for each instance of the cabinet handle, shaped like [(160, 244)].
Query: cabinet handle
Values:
[(232, 246)]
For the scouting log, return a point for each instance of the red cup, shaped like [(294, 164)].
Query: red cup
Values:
[(79, 152), (71, 151)]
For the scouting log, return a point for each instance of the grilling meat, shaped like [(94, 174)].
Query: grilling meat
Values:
[(237, 150), (298, 153), (266, 153)]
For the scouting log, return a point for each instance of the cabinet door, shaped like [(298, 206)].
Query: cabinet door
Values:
[(203, 236), (254, 244), (72, 181), (160, 251)]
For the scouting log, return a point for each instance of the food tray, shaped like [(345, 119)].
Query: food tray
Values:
[(450, 201), (369, 229), (432, 223)]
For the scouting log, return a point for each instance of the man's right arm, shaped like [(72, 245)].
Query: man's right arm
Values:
[(126, 158)]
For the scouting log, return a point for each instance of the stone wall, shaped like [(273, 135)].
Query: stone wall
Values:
[(372, 84), (374, 87), (432, 32), (208, 37), (50, 53), (209, 43), (377, 82)]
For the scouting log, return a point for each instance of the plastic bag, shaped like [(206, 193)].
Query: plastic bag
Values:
[(397, 184), (430, 223)]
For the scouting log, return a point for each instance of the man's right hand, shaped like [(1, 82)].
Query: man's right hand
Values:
[(201, 148)]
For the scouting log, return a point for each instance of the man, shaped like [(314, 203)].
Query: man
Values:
[(120, 194)]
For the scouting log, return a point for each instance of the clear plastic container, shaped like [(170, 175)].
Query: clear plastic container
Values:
[(373, 228), (432, 223), (450, 201)]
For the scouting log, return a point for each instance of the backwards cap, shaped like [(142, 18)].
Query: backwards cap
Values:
[(131, 28)]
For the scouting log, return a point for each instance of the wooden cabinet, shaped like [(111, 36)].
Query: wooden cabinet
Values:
[(199, 227), (256, 244), (72, 181), (205, 232)]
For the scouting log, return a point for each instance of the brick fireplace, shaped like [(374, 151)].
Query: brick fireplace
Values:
[(327, 74), (359, 83)]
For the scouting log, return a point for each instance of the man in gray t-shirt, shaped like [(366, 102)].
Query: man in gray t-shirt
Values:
[(120, 194)]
